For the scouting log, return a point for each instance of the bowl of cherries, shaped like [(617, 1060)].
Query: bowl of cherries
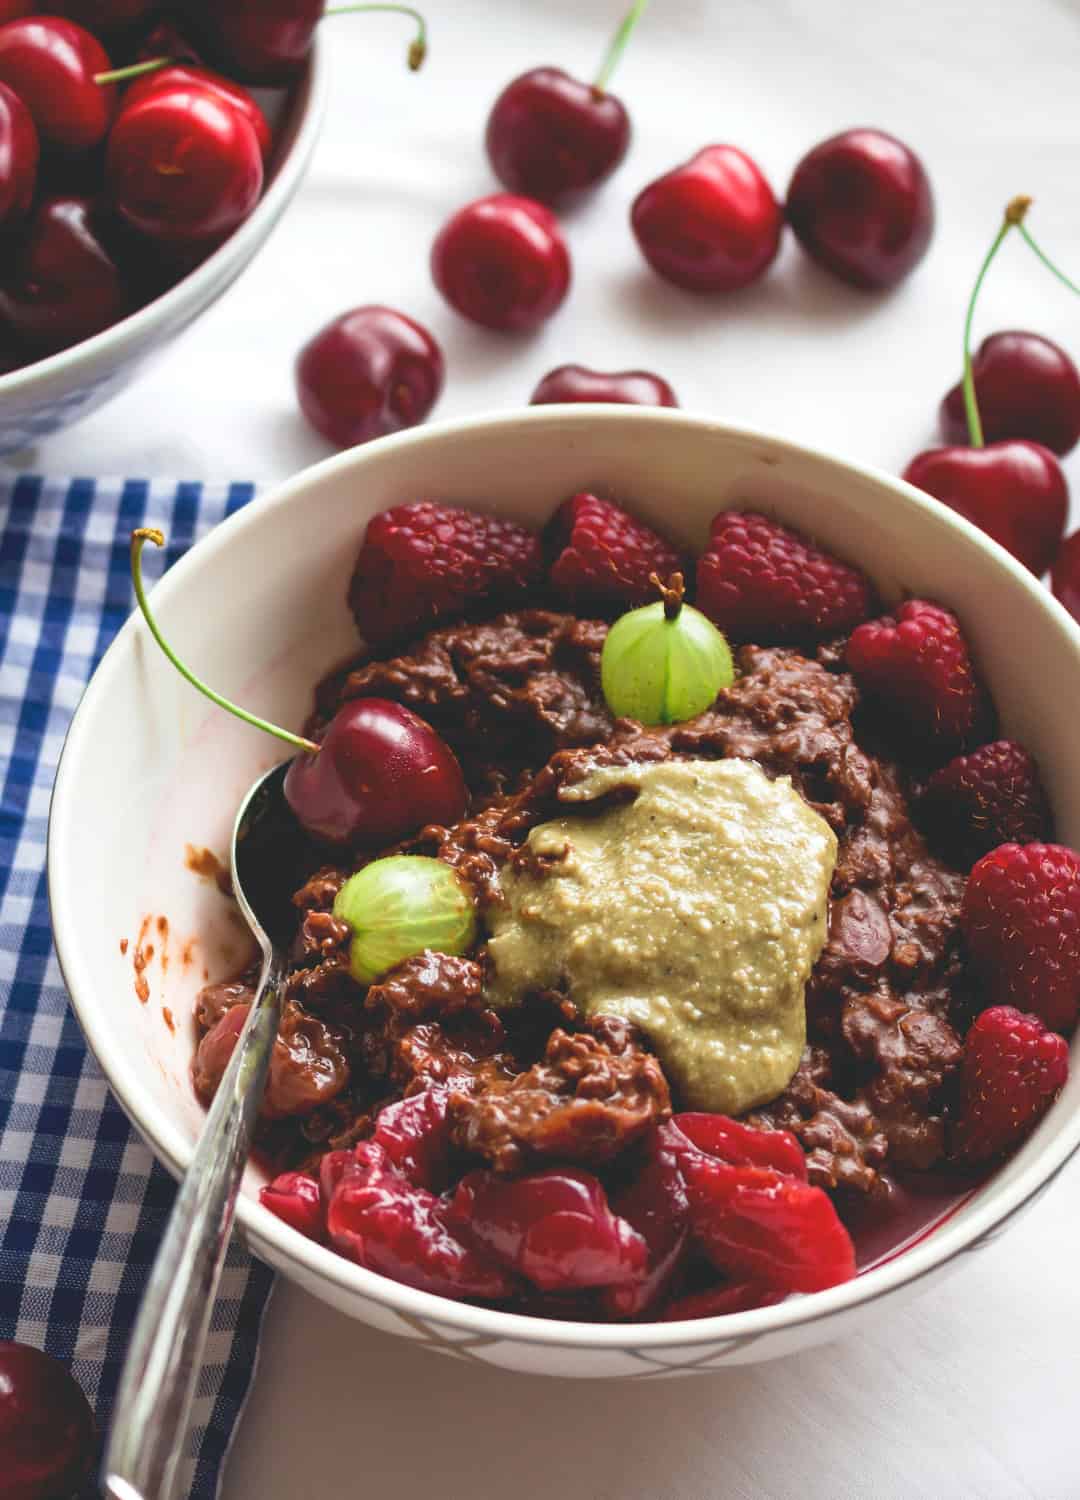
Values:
[(143, 162)]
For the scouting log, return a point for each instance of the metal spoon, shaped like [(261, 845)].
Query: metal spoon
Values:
[(153, 1405)]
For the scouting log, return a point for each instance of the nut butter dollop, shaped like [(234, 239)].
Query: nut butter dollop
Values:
[(695, 910)]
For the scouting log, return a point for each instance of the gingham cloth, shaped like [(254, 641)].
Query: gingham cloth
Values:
[(82, 1201)]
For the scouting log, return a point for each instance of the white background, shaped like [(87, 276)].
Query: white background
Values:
[(971, 1394)]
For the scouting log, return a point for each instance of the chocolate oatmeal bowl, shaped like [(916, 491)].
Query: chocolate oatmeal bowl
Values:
[(684, 885)]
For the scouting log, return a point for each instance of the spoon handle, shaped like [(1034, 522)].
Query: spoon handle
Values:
[(149, 1427)]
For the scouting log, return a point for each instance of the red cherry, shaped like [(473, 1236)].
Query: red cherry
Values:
[(258, 42), (46, 1427), (11, 10), (860, 205), (621, 387), (183, 165), (381, 773), (1014, 491), (191, 76), (51, 64), (549, 135), (370, 372), (1026, 387), (66, 285), (105, 16), (502, 261), (18, 158), (167, 40), (1065, 577), (712, 224)]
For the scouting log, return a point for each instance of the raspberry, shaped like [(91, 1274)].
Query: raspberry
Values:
[(760, 582), (424, 563), (1012, 1071), (295, 1197), (992, 796), (917, 667), (604, 556), (1021, 917)]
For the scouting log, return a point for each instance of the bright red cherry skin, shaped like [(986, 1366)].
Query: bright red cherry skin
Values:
[(550, 136), (1026, 387), (710, 225), (370, 372), (1014, 491), (183, 165), (860, 204), (18, 158), (1065, 575), (571, 383), (191, 76), (252, 40), (51, 64), (502, 262), (46, 1427), (66, 285), (103, 17), (381, 773)]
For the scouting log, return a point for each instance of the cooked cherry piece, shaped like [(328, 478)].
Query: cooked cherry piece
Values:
[(1014, 491), (18, 158), (46, 1427), (550, 135), (258, 42), (619, 387), (1065, 578), (1026, 387), (66, 285), (710, 225), (502, 261), (295, 1197), (860, 205), (183, 165), (381, 773), (191, 76), (370, 372), (103, 17), (51, 64)]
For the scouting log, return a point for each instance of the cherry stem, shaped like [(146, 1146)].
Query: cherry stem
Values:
[(1014, 218), (136, 70), (139, 538), (618, 45), (671, 592), (417, 47), (1047, 262)]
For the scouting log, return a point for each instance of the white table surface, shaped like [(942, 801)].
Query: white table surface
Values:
[(969, 1394)]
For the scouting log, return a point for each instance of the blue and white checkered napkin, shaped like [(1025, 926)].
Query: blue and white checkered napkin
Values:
[(82, 1201)]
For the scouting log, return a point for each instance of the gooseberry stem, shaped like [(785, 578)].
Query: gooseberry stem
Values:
[(618, 45), (673, 592), (1047, 262), (139, 538), (417, 47), (135, 70), (1014, 217)]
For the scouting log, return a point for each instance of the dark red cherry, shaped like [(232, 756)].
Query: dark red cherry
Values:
[(166, 39), (104, 17), (549, 135), (51, 64), (620, 387), (860, 205), (254, 40), (183, 165), (191, 76), (1065, 577), (11, 10), (712, 224), (46, 1427), (1014, 491), (381, 773), (18, 158), (368, 373), (66, 285), (502, 261), (1026, 387)]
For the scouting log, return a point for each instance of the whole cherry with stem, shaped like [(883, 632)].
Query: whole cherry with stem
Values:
[(1026, 387), (53, 65), (550, 135), (575, 383), (1013, 490), (378, 773), (268, 44), (157, 77)]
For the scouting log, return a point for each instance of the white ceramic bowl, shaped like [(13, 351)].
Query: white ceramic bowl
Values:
[(259, 608), (65, 387)]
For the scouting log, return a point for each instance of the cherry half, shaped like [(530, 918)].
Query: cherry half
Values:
[(66, 286), (52, 64), (46, 1427), (1026, 387), (18, 158), (379, 772), (860, 205), (502, 262), (269, 43), (1065, 576), (620, 387), (710, 225), (549, 135), (369, 372)]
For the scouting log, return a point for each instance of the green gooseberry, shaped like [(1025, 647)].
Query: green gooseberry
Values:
[(665, 662), (401, 905)]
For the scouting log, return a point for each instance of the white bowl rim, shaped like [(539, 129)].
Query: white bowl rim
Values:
[(167, 1141), (121, 338)]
